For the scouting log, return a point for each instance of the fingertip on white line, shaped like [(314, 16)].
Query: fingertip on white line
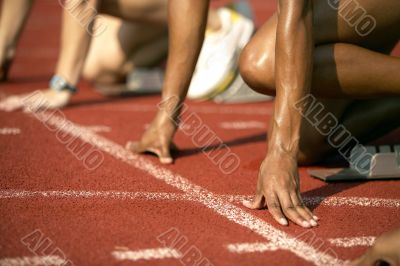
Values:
[(283, 221)]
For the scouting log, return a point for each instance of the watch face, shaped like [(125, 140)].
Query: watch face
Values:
[(58, 83)]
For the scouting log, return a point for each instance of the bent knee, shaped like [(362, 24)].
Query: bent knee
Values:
[(257, 72), (95, 74), (307, 157), (312, 150), (90, 73)]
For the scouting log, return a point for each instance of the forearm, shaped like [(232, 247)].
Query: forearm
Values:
[(294, 47), (77, 25), (187, 23), (13, 18)]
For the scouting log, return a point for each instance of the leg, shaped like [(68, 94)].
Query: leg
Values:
[(342, 58), (365, 119), (129, 43), (342, 67), (13, 17), (152, 11), (122, 46)]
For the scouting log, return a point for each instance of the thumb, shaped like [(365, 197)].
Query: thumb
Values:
[(165, 155), (135, 146), (10, 104), (255, 204)]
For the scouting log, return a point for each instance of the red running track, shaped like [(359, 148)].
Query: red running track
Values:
[(56, 210)]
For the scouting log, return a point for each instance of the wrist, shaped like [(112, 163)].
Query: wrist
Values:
[(283, 144), (164, 118), (60, 84), (280, 160), (276, 150), (170, 108)]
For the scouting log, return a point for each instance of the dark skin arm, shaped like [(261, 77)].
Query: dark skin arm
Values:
[(187, 22), (278, 182), (278, 185)]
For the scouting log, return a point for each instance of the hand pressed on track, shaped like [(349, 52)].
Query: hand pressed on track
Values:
[(157, 139), (35, 101), (278, 190)]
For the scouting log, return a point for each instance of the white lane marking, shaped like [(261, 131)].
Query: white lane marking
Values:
[(32, 261), (355, 201), (99, 128), (182, 126), (251, 247), (147, 254), (348, 242), (207, 198), (8, 194), (243, 110), (335, 201), (141, 195), (10, 131), (345, 242), (238, 125)]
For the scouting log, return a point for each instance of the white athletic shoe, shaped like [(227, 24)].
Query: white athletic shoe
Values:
[(240, 92), (217, 66)]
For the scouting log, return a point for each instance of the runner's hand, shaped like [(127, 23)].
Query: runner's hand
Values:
[(38, 100), (278, 190), (157, 139)]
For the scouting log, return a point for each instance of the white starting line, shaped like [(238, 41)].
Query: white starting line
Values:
[(146, 254), (260, 247), (118, 195), (210, 200), (240, 125), (219, 204), (251, 247), (17, 131), (141, 195), (348, 242), (10, 131), (125, 254), (145, 108), (33, 261), (99, 128)]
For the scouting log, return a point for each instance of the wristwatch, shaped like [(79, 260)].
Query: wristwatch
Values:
[(58, 83)]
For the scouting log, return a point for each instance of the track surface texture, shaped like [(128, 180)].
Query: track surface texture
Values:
[(61, 207)]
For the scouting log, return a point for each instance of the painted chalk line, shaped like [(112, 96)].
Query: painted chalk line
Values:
[(146, 254), (61, 194), (33, 261), (10, 131), (333, 201), (207, 198), (241, 248), (240, 125), (347, 242), (197, 109), (99, 128), (141, 195)]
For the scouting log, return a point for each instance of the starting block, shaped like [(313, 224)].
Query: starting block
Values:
[(382, 162)]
